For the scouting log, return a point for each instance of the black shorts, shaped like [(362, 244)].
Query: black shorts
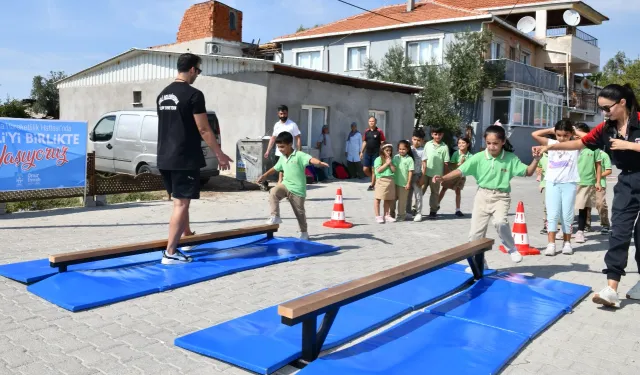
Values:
[(182, 184)]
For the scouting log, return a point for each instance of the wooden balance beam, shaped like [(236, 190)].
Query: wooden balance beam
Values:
[(306, 309), (61, 261)]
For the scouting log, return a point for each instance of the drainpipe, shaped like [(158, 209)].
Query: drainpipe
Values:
[(568, 56)]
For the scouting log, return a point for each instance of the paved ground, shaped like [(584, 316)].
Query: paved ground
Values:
[(136, 336)]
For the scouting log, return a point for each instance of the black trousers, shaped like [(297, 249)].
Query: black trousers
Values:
[(625, 223)]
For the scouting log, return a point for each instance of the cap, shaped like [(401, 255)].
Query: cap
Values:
[(354, 124)]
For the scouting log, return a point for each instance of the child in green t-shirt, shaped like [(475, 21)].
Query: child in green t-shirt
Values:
[(436, 154), (601, 192), (294, 183), (385, 188), (458, 157), (405, 166), (493, 170)]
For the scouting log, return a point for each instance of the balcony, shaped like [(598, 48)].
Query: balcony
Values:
[(583, 49), (516, 72)]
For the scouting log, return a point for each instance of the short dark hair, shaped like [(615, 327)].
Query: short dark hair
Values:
[(466, 140), (583, 127), (564, 125), (284, 138), (186, 61), (283, 108), (419, 133), (437, 130)]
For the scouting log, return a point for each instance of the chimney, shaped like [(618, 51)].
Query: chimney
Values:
[(411, 4)]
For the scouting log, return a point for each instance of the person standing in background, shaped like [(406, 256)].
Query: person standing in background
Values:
[(326, 150), (284, 125), (372, 140), (352, 152)]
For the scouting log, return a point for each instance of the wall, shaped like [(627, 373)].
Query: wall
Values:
[(238, 99), (221, 26), (581, 51), (346, 104), (198, 46), (511, 39), (209, 19), (380, 42), (522, 141)]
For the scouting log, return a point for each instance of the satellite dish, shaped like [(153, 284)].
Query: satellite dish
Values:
[(571, 17), (527, 24)]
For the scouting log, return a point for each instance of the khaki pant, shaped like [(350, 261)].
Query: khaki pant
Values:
[(488, 204), (601, 206), (280, 192), (434, 197), (401, 198)]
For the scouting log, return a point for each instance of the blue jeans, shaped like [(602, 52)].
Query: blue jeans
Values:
[(327, 171), (561, 197)]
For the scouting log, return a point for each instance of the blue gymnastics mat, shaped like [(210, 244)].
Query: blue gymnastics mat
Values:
[(424, 344), (259, 342), (85, 289), (475, 332), (35, 270), (514, 303)]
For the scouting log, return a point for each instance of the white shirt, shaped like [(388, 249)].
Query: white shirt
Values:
[(288, 126), (353, 147), (562, 166), (326, 148), (418, 154)]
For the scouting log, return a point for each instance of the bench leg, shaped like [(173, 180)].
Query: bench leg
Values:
[(62, 269), (270, 235), (313, 339), (477, 265)]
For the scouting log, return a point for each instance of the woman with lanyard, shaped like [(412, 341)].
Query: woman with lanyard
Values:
[(619, 137)]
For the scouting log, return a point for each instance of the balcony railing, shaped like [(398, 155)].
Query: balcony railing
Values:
[(583, 101), (554, 32), (517, 72)]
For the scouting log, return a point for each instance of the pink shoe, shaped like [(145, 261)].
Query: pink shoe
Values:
[(389, 219), (379, 220)]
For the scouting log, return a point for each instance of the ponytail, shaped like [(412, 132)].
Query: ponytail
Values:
[(616, 93)]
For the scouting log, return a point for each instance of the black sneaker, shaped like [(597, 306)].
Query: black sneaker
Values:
[(370, 188), (459, 214), (605, 230), (588, 229), (177, 258), (432, 215), (414, 212)]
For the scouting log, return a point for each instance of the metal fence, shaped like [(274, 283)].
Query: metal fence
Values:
[(564, 31), (524, 74)]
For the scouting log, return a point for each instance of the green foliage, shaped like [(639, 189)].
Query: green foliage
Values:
[(302, 28), (13, 108), (621, 70), (45, 93)]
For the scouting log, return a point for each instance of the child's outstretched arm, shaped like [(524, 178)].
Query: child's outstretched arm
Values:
[(539, 135), (266, 174), (448, 177), (531, 169), (315, 161)]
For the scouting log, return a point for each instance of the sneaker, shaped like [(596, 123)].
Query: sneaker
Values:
[(486, 267), (389, 219), (370, 188), (379, 220), (304, 236), (188, 247), (634, 293), (550, 250), (459, 214), (516, 257), (401, 217), (177, 258), (417, 218), (544, 230), (414, 212), (605, 230), (607, 297), (580, 237), (432, 215), (274, 220), (567, 249), (587, 229)]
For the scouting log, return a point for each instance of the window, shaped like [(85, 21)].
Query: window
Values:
[(232, 20), (128, 127), (512, 53), (381, 119), (500, 110), (497, 50), (356, 55), (137, 98), (149, 132), (309, 58), (104, 129), (535, 109), (525, 58), (424, 50), (312, 119)]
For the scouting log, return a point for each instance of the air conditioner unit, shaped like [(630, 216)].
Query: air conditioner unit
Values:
[(212, 48)]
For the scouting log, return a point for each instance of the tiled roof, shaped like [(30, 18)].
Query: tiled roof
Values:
[(389, 16), (425, 10)]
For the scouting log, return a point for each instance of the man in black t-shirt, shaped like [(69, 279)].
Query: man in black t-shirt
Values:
[(373, 138), (182, 123)]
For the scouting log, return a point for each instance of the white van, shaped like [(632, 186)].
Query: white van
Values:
[(126, 142)]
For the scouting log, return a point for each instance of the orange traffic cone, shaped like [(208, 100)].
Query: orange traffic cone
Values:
[(337, 216), (520, 234)]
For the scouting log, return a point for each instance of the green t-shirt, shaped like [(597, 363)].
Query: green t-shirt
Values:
[(606, 165), (387, 172), (436, 156), (456, 158), (494, 173), (293, 167), (404, 166), (587, 167), (544, 160)]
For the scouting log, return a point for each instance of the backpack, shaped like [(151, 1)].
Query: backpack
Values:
[(340, 171), (310, 172)]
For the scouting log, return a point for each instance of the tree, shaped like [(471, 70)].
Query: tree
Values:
[(13, 108), (45, 93), (301, 28), (622, 70)]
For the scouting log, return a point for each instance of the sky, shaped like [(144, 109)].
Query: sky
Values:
[(40, 36)]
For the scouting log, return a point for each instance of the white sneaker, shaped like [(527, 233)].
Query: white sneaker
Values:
[(567, 249), (486, 267), (379, 220), (304, 236), (389, 219), (274, 220), (550, 250), (516, 257), (580, 237), (607, 297), (177, 258), (634, 293), (417, 218)]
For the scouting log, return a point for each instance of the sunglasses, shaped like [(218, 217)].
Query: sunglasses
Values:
[(198, 70), (607, 108)]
